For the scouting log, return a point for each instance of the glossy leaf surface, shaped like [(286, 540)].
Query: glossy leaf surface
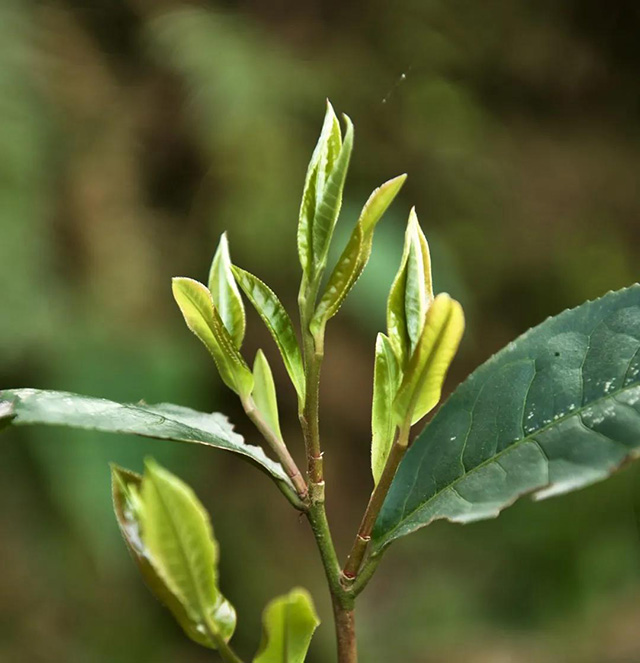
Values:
[(163, 421), (126, 487), (278, 323), (225, 294), (556, 410), (386, 380), (322, 162), (424, 375), (411, 292), (356, 254), (288, 625), (264, 392), (330, 202), (203, 319), (179, 540)]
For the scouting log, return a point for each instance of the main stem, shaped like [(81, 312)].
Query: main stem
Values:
[(342, 599)]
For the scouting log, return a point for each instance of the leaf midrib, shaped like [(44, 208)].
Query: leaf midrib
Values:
[(386, 540)]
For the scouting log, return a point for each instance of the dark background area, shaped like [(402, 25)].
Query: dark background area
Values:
[(134, 132)]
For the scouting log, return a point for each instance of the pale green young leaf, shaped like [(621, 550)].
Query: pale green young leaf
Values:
[(424, 375), (320, 166), (554, 411), (178, 539), (356, 254), (289, 622), (264, 392), (386, 380), (329, 203), (125, 486), (203, 319), (411, 292), (211, 613), (278, 323), (225, 293)]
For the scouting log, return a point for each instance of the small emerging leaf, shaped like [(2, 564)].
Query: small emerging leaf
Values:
[(386, 380), (320, 167), (288, 625), (278, 323), (411, 293), (356, 254), (225, 293), (424, 375), (264, 392), (170, 537), (203, 319), (330, 202)]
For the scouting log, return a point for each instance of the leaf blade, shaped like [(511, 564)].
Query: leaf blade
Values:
[(264, 393), (202, 318), (225, 294), (289, 622), (356, 253), (278, 322), (556, 410), (163, 421)]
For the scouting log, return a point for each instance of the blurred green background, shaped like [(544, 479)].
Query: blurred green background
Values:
[(134, 132)]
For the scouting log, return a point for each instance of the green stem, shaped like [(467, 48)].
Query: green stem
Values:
[(278, 447), (361, 543), (226, 653)]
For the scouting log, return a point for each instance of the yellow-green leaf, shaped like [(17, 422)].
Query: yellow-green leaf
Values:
[(171, 540), (386, 380), (264, 392), (289, 622), (225, 293), (329, 203), (278, 322), (320, 166), (421, 387), (411, 293), (203, 319), (356, 254)]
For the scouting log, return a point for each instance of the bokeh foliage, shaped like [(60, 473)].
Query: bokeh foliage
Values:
[(133, 132)]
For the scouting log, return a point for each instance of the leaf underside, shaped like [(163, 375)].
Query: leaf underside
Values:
[(163, 421), (556, 410)]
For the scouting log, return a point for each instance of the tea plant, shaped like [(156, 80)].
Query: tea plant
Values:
[(556, 410)]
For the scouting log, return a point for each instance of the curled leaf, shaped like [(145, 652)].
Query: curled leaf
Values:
[(169, 535), (424, 375), (264, 393), (203, 319), (386, 379), (278, 323), (330, 202), (289, 622), (225, 294), (320, 167), (356, 254), (411, 293)]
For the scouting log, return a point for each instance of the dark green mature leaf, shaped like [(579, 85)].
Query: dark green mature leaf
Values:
[(356, 253), (556, 410), (6, 414), (278, 322), (164, 421), (288, 625)]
